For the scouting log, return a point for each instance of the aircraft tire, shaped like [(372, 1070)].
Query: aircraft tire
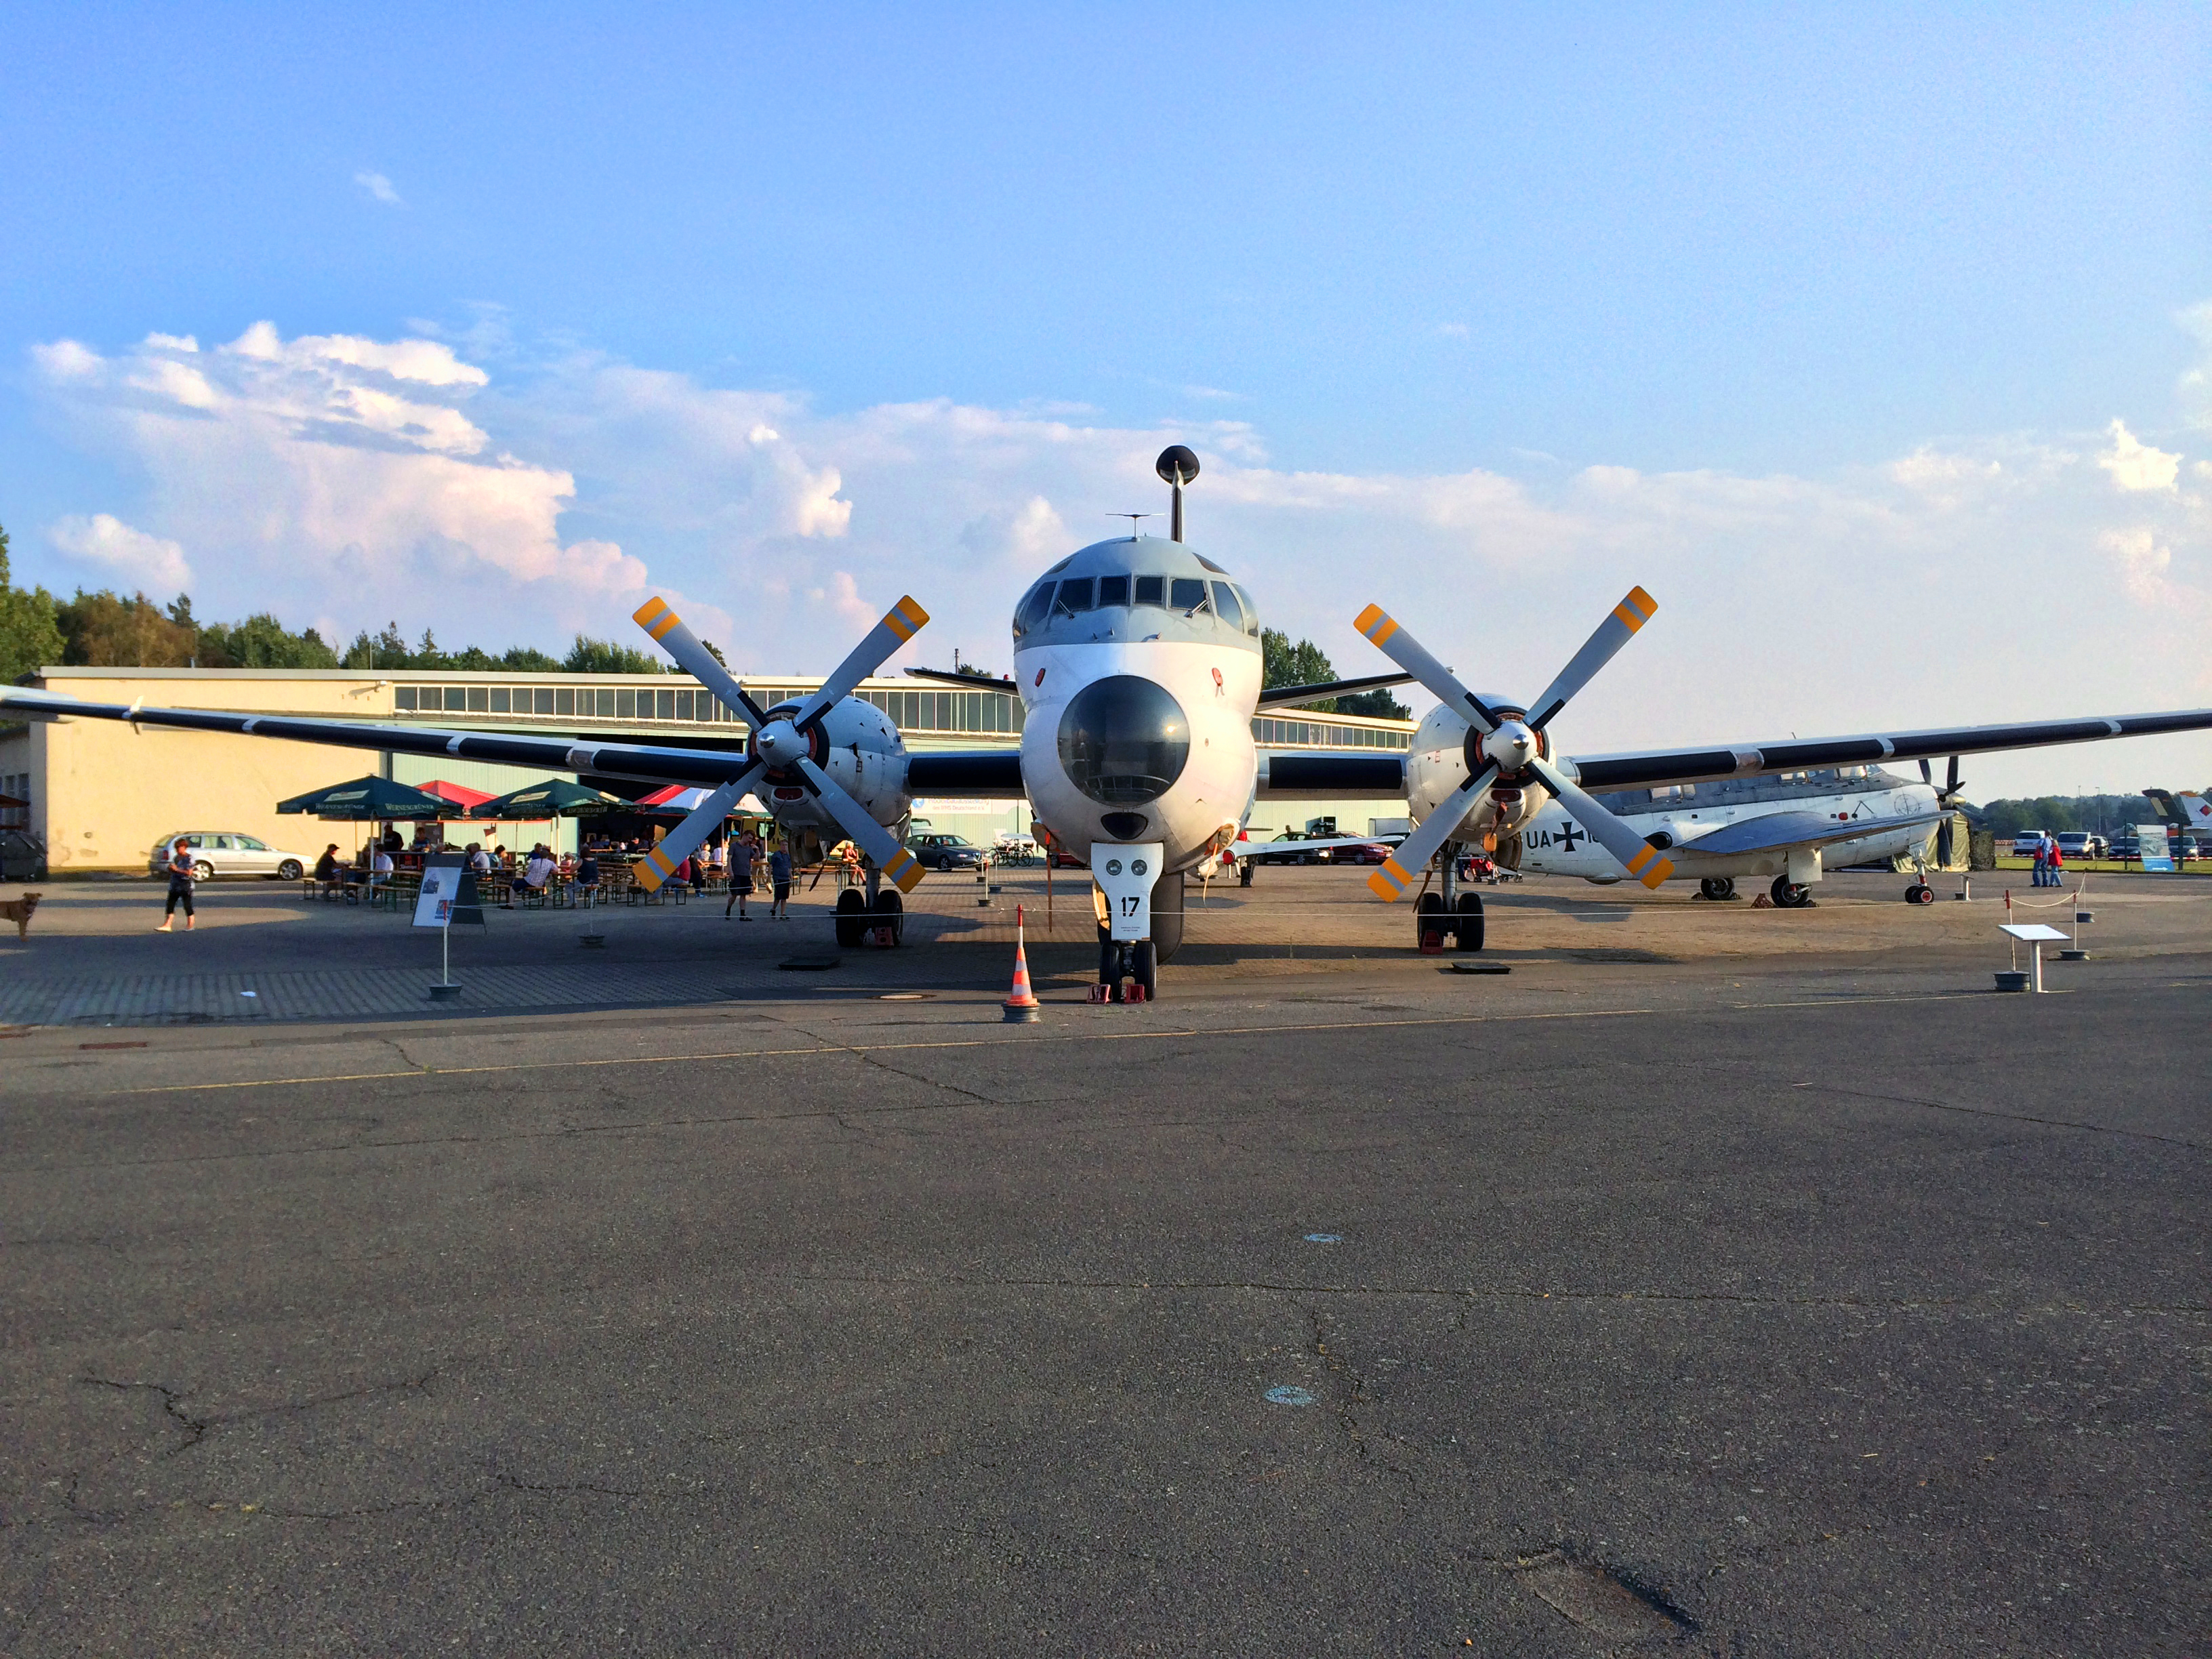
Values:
[(852, 918), (889, 909), (1110, 959), (1470, 926), (1148, 969), (1167, 915), (1788, 896), (1428, 916), (1920, 893), (1717, 887)]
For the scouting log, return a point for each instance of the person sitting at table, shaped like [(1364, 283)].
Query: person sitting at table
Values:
[(533, 877), (380, 868), (479, 862), (587, 869), (326, 867)]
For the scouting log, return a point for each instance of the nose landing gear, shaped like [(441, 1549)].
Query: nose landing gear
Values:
[(1717, 887), (1790, 895)]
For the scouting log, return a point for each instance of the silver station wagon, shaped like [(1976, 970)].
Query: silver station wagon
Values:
[(224, 852)]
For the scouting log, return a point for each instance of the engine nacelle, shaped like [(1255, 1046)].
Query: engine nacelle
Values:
[(1447, 750), (860, 748)]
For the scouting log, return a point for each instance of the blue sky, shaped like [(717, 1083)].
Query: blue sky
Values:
[(1482, 312)]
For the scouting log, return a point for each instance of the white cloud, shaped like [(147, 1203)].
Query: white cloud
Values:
[(1453, 330), (368, 479), (332, 462), (2133, 465), (378, 188), (132, 556)]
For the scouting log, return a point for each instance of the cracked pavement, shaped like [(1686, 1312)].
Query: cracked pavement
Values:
[(1760, 1320)]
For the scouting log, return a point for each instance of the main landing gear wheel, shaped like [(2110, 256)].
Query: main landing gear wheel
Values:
[(852, 918), (1470, 921), (890, 912), (1920, 893), (1788, 896), (1146, 978), (1717, 887), (1428, 917)]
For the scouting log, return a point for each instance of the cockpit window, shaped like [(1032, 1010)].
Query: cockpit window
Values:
[(1074, 595), (1251, 614), (1035, 609), (1209, 564), (1225, 605), (1185, 594), (1151, 590), (1113, 590)]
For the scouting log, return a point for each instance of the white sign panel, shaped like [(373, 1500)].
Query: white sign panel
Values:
[(441, 891), (2150, 842)]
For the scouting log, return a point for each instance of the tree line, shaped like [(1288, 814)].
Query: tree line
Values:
[(1282, 663), (106, 629)]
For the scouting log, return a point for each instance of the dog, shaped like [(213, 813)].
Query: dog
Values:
[(18, 910)]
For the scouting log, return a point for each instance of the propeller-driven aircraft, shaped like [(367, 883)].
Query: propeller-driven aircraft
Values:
[(1138, 662)]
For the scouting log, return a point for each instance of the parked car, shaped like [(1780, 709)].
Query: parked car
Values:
[(2124, 846), (2080, 844), (2028, 843), (945, 851), (226, 853), (22, 857), (1370, 853)]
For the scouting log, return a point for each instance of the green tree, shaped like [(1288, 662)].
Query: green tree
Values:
[(1282, 663), (1377, 703), (589, 656), (30, 633), (259, 642), (529, 659), (104, 631)]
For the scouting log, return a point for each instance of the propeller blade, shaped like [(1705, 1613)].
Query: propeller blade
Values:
[(669, 634), (1927, 773), (1636, 855), (871, 837), (1952, 785), (679, 843), (900, 624), (1615, 631), (1402, 648), (1390, 882)]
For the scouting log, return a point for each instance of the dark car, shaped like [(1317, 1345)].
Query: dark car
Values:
[(1373, 852), (22, 857), (937, 852)]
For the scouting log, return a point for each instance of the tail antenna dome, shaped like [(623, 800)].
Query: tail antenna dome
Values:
[(1178, 466)]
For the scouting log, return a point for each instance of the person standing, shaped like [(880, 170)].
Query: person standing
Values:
[(742, 857), (180, 887), (2057, 863), (779, 875), (2041, 861)]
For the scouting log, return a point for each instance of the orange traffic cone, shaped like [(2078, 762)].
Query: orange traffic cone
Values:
[(1022, 1005)]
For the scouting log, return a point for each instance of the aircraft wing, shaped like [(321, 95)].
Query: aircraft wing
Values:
[(646, 762), (1292, 696), (1333, 775), (1658, 766), (1772, 832), (984, 774)]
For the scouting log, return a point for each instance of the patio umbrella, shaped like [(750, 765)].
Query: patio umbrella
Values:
[(556, 798), (678, 800), (367, 800)]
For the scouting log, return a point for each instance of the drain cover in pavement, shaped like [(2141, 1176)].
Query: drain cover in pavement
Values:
[(1605, 1603), (807, 964), (1479, 968)]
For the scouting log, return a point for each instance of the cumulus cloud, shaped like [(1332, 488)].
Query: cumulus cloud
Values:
[(378, 188), (366, 478), (329, 463), (123, 554), (2133, 465)]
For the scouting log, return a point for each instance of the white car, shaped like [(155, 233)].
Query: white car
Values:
[(225, 852)]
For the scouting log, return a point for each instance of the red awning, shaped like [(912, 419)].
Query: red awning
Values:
[(459, 794)]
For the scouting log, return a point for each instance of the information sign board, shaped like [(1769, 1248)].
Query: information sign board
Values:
[(2150, 843)]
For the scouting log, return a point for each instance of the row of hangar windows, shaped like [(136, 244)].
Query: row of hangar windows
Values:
[(980, 711), (1191, 595)]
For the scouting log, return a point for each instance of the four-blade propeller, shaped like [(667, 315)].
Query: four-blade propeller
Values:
[(782, 746), (1512, 743)]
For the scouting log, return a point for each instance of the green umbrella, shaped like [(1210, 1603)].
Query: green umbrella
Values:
[(368, 800), (556, 798)]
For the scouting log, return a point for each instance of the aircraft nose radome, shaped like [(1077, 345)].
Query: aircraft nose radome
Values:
[(1124, 740)]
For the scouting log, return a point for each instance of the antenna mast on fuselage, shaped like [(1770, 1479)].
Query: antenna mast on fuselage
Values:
[(1178, 466)]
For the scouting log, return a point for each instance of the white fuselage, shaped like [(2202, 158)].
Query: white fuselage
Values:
[(1218, 689), (1553, 843)]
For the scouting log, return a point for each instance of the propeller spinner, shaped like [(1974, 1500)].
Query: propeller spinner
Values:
[(1512, 745), (783, 747)]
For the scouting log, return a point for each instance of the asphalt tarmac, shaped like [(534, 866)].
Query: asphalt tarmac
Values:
[(1781, 1306)]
